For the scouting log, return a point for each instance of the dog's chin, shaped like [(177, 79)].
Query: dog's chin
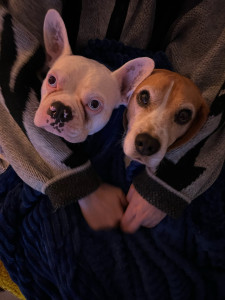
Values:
[(71, 137), (74, 140), (152, 165), (150, 162)]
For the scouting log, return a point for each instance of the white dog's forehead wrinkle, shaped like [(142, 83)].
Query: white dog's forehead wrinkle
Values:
[(79, 64), (75, 67)]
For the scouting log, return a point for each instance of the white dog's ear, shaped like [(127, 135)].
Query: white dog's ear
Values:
[(131, 74), (55, 37)]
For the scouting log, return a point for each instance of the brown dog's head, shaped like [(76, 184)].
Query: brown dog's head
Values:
[(165, 111)]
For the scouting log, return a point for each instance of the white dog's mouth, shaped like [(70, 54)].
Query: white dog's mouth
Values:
[(69, 134), (61, 120)]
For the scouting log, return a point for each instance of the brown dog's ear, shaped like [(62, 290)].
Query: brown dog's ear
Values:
[(196, 125), (131, 74), (55, 37)]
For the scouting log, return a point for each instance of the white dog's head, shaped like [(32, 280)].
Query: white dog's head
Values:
[(165, 111), (78, 94)]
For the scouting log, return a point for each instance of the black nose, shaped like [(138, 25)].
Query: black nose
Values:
[(60, 112), (146, 144)]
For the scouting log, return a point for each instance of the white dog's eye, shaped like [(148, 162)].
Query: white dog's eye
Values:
[(94, 105), (183, 116), (52, 81), (143, 98)]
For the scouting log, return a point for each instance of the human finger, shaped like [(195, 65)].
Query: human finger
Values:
[(130, 225), (130, 192)]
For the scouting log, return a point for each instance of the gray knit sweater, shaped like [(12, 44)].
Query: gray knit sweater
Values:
[(194, 43)]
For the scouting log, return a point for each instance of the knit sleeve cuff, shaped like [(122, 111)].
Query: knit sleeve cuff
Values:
[(160, 194), (72, 185)]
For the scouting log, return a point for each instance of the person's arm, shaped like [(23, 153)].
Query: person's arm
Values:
[(42, 160)]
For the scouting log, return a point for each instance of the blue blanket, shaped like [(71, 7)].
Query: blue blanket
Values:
[(55, 255)]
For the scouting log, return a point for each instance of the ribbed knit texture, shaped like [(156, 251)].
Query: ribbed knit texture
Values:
[(173, 204), (22, 58), (55, 255), (78, 187), (192, 166), (38, 157)]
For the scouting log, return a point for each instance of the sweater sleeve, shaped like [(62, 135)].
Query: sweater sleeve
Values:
[(160, 194), (3, 164), (190, 170), (44, 161)]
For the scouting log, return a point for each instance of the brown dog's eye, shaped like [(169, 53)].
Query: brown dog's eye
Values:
[(52, 80), (143, 98), (183, 116)]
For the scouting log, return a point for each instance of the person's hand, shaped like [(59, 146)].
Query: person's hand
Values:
[(139, 212), (103, 208)]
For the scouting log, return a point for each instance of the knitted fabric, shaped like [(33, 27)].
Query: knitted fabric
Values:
[(192, 164), (43, 160), (7, 284), (53, 254)]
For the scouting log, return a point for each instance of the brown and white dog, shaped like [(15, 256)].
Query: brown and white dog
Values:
[(78, 94), (165, 111)]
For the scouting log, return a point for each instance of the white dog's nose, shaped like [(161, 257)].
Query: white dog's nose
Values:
[(146, 144), (60, 112)]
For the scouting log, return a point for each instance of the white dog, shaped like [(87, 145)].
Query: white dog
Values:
[(78, 94)]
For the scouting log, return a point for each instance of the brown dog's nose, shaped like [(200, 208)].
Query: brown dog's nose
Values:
[(146, 144), (60, 112)]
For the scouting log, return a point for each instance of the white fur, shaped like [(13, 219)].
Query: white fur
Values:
[(80, 80)]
